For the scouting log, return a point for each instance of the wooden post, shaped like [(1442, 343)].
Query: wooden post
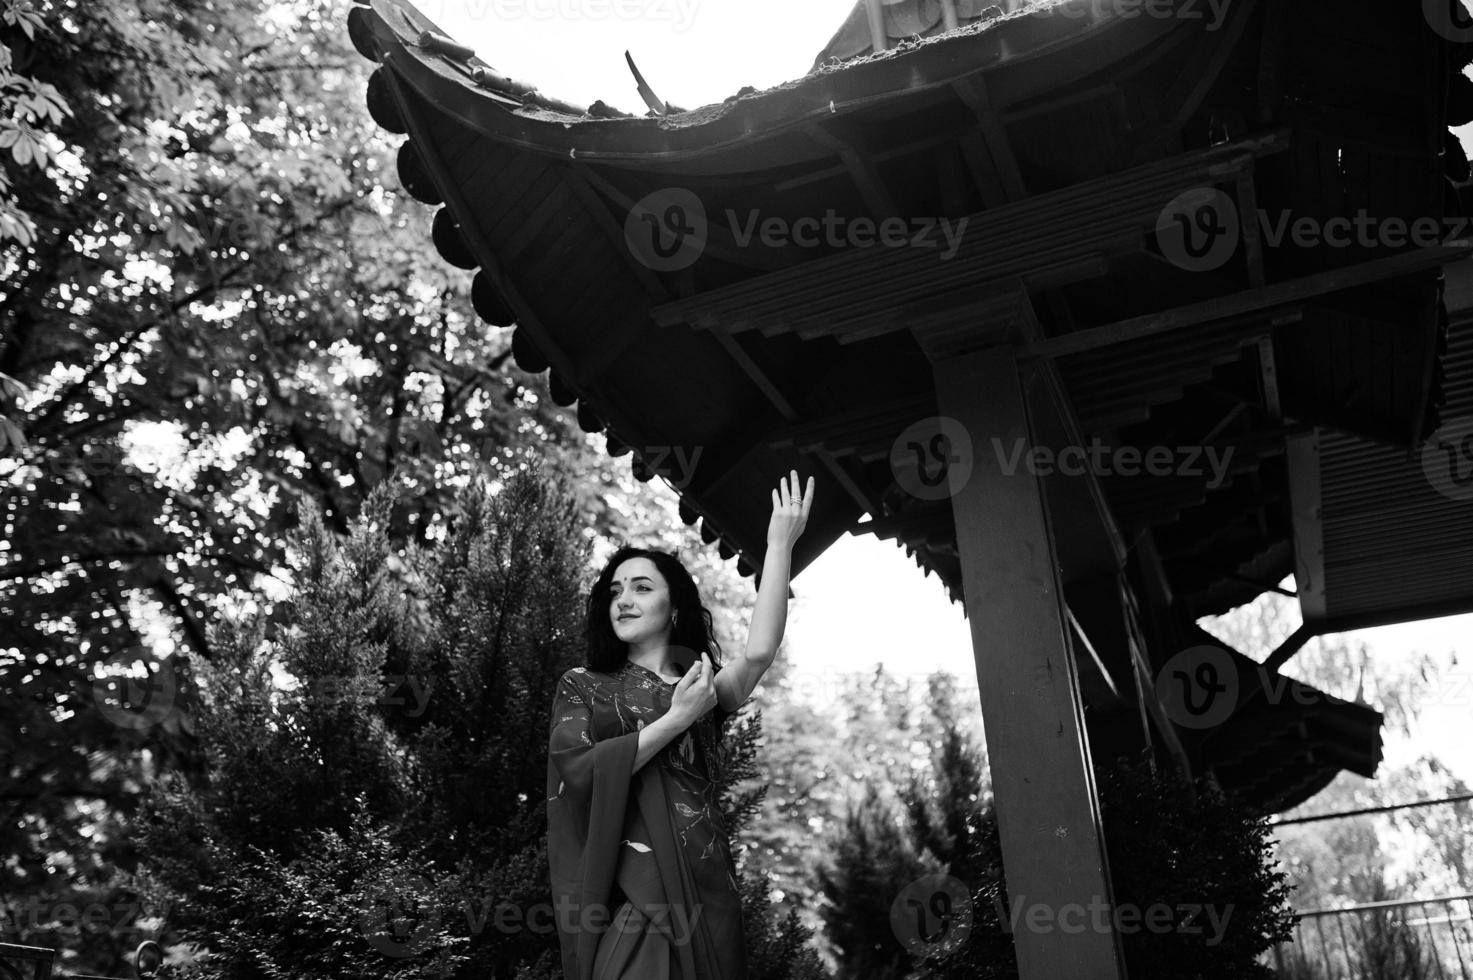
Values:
[(1061, 908), (878, 38), (948, 15)]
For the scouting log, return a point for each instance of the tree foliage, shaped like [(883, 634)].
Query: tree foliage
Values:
[(216, 306), (383, 812), (1417, 852), (916, 888)]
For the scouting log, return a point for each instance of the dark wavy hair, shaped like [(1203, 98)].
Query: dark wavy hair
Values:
[(693, 628)]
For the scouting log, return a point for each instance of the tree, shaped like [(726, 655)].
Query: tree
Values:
[(779, 944), (804, 777), (874, 859), (916, 888), (215, 307), (1347, 861), (385, 813), (887, 846)]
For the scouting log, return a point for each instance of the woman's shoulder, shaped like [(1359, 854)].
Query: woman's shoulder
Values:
[(584, 678)]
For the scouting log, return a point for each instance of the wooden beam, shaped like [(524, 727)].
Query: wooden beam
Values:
[(1291, 645), (1249, 301), (1252, 237), (931, 140), (984, 171), (1153, 572), (1268, 373), (1043, 779), (1100, 670), (859, 493), (577, 177), (1366, 620), (1273, 60), (850, 432), (1146, 679), (1308, 525), (490, 265), (948, 15), (1095, 541), (1079, 222), (879, 39), (1203, 66), (972, 90), (857, 159)]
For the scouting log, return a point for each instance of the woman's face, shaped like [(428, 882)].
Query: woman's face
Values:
[(640, 601)]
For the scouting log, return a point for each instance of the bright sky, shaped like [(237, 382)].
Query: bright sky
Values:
[(863, 601), (692, 52)]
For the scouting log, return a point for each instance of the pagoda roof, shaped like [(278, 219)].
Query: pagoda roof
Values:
[(518, 113), (1061, 133)]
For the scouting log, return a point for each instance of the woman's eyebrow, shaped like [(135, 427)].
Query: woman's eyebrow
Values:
[(635, 579)]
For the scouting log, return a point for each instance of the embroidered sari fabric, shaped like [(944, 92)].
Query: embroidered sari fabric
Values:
[(642, 875)]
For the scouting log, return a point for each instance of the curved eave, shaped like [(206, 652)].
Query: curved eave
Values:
[(1011, 48), (1285, 740)]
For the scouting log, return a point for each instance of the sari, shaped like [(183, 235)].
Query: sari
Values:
[(642, 876)]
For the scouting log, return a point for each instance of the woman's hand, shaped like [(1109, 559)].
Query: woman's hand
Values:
[(789, 512), (695, 693)]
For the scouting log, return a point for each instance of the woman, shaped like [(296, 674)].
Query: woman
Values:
[(642, 875)]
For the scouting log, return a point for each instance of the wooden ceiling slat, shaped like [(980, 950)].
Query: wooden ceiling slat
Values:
[(527, 319), (616, 325), (492, 169), (1248, 301), (824, 171), (579, 179), (842, 434), (719, 241), (1043, 271), (553, 202), (506, 227), (1110, 205)]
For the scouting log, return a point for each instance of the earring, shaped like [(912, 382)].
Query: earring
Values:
[(675, 619)]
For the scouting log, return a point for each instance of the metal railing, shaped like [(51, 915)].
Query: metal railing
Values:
[(25, 962), (1411, 939), (38, 962)]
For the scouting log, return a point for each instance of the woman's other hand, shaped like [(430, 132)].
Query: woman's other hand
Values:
[(695, 693)]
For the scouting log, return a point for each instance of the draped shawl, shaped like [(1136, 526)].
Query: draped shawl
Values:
[(655, 839)]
